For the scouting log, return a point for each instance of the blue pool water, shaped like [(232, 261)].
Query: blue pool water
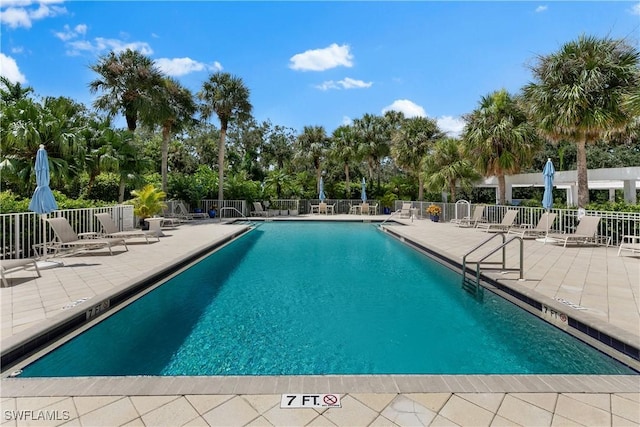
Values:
[(319, 298)]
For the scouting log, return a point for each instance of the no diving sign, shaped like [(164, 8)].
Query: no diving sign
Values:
[(310, 401)]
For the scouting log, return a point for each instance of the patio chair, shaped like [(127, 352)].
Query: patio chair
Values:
[(585, 232), (373, 210), (405, 211), (67, 238), (470, 221), (353, 209), (629, 243), (541, 229), (11, 265), (110, 229), (258, 210), (507, 222), (364, 208)]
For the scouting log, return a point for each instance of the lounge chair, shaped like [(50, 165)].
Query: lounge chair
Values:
[(470, 221), (111, 229), (183, 212), (11, 265), (258, 210), (67, 238), (405, 211), (629, 243), (585, 232), (504, 225), (541, 229)]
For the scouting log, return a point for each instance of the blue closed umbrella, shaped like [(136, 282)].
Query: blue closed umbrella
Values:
[(363, 193), (547, 199), (42, 202), (322, 195)]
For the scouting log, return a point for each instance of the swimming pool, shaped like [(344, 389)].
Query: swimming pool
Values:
[(319, 298)]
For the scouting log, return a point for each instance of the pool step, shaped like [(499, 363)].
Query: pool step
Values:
[(473, 287)]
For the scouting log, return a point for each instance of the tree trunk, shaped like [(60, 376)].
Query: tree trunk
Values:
[(420, 187), (223, 137), (121, 191), (452, 191), (166, 134), (583, 181), (502, 190), (348, 186)]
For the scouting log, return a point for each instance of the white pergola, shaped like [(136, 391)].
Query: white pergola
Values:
[(612, 179)]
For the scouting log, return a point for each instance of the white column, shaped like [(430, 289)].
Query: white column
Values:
[(572, 195), (508, 193), (612, 194), (630, 191)]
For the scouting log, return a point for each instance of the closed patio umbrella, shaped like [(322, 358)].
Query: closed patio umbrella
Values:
[(322, 196), (363, 193), (547, 199), (42, 202)]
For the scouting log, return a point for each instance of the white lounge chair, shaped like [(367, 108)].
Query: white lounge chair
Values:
[(585, 232), (507, 221), (540, 230), (405, 210), (67, 238), (11, 265), (258, 210), (111, 229), (629, 243), (470, 221)]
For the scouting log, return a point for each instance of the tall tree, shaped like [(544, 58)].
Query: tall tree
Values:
[(344, 149), (447, 167), (312, 147), (174, 110), (12, 92), (373, 133), (227, 96), (499, 137), (582, 92), (129, 82), (411, 143)]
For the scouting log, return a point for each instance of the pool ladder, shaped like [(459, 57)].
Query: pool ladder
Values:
[(471, 281), (231, 208)]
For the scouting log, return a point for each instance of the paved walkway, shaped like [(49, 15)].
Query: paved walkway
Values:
[(590, 284)]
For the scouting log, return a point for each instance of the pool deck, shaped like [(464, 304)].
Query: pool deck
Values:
[(590, 284)]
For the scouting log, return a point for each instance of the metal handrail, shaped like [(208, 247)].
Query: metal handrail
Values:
[(479, 262), (392, 214), (231, 208)]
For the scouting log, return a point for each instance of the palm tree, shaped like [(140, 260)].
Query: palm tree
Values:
[(581, 93), (499, 137), (228, 97), (373, 133), (312, 146), (13, 92), (345, 150), (411, 143), (174, 110), (448, 166), (129, 82)]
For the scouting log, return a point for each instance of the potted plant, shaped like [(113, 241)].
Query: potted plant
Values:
[(434, 212), (147, 202), (387, 202), (213, 211)]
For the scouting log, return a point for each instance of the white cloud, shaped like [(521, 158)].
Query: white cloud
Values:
[(101, 44), (406, 107), (453, 126), (322, 59), (541, 8), (346, 83), (346, 121), (180, 66), (68, 33), (9, 69), (635, 9), (18, 14)]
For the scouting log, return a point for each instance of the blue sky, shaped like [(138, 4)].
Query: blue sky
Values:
[(309, 63)]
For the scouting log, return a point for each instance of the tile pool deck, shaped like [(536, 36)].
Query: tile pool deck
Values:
[(591, 284)]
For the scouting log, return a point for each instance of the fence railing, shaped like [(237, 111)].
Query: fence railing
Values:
[(613, 225), (20, 232)]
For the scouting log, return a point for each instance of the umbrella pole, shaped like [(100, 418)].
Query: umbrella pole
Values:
[(44, 264)]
